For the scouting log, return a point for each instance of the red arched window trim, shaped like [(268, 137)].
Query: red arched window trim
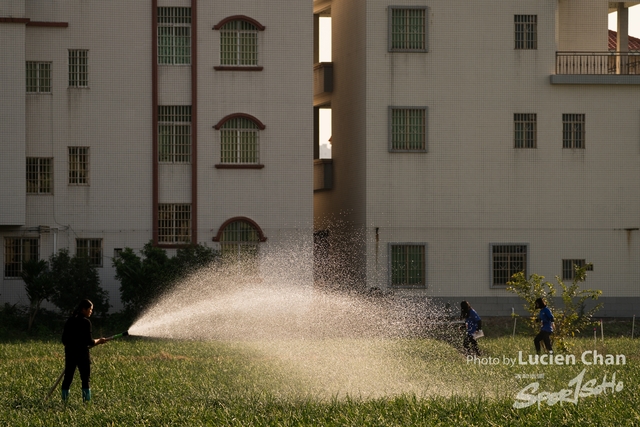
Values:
[(262, 237), (252, 21), (261, 126)]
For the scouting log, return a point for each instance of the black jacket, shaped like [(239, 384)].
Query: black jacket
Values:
[(76, 336)]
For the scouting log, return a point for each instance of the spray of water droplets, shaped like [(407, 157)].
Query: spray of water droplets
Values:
[(339, 342)]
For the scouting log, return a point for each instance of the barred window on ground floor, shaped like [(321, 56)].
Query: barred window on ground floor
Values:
[(507, 260), (239, 244), (18, 250), (569, 268), (90, 249), (408, 264)]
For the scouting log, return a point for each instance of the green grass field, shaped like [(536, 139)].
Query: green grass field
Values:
[(339, 382)]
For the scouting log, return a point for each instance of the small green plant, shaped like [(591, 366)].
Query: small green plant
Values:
[(570, 320)]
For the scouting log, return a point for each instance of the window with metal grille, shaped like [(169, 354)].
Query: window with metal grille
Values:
[(408, 128), (525, 130), (573, 132), (16, 251), (569, 268), (408, 29), (526, 29), (239, 43), (408, 265), (174, 223), (174, 35), (239, 141), (90, 249), (239, 245), (507, 260), (39, 175), (78, 68), (38, 77), (78, 165), (174, 133)]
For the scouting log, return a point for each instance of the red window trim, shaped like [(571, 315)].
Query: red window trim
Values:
[(261, 126), (262, 237), (252, 21)]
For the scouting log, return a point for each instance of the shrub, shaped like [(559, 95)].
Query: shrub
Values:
[(573, 317)]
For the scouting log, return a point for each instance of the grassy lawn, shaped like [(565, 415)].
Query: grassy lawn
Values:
[(333, 382)]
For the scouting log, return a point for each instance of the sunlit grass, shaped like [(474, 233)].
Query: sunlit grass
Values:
[(335, 382)]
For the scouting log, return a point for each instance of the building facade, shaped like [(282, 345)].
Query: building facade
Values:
[(473, 140), (170, 121)]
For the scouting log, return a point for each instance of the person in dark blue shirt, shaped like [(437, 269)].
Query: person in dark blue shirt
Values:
[(546, 329), (473, 324)]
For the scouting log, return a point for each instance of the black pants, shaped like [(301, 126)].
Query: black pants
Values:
[(470, 344), (73, 361), (545, 337)]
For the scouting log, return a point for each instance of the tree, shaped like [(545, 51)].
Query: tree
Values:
[(39, 285), (569, 320), (75, 278), (143, 279)]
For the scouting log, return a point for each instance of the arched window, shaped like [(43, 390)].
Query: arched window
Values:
[(239, 139), (239, 238), (239, 41)]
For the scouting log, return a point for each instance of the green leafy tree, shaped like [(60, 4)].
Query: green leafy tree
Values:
[(192, 258), (75, 278), (144, 278), (39, 285), (573, 318)]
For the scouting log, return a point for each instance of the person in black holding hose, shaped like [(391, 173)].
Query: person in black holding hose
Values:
[(77, 340)]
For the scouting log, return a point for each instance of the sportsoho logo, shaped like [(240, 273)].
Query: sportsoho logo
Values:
[(576, 389)]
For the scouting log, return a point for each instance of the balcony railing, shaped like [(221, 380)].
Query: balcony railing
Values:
[(598, 63)]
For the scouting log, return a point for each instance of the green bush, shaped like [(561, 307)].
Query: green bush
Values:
[(570, 320), (144, 278)]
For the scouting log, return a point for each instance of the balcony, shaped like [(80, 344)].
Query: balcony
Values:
[(322, 83), (597, 68), (322, 174)]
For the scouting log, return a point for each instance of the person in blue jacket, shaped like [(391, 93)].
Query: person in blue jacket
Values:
[(473, 324), (546, 329)]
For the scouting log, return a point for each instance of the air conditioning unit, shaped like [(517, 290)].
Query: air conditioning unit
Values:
[(44, 229)]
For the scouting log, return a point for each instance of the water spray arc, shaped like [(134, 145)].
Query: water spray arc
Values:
[(53, 387)]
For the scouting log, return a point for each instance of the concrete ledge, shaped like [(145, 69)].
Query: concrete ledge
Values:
[(594, 79)]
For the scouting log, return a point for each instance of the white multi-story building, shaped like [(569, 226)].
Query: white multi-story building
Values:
[(473, 140), (470, 140), (172, 121)]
